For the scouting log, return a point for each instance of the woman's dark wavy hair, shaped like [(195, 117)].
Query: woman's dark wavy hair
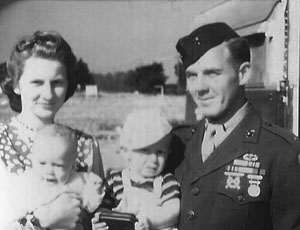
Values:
[(42, 44)]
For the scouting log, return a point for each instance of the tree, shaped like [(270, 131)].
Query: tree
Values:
[(130, 80), (83, 74), (104, 82), (148, 76), (181, 82), (3, 71), (3, 74), (143, 79)]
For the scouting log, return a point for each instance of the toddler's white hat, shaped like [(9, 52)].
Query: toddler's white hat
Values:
[(145, 128)]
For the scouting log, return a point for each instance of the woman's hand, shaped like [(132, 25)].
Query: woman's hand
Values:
[(98, 225), (63, 212)]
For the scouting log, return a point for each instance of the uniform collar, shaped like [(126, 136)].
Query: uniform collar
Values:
[(234, 120), (237, 117)]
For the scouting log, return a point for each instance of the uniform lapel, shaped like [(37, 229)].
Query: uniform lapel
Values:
[(234, 146), (193, 149)]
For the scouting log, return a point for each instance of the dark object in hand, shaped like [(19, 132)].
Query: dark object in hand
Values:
[(117, 220)]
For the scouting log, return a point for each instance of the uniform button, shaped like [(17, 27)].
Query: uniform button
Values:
[(249, 133), (193, 130), (190, 215), (240, 198), (195, 191)]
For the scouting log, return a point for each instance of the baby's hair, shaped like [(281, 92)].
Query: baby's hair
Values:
[(58, 131)]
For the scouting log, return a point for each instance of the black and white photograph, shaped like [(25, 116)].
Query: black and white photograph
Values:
[(149, 114)]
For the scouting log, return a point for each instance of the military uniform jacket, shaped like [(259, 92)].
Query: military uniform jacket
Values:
[(251, 180)]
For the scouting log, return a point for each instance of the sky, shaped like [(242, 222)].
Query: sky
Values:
[(109, 35)]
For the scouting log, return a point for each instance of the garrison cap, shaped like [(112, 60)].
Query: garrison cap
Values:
[(197, 43)]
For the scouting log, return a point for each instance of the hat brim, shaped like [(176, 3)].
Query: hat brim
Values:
[(163, 142)]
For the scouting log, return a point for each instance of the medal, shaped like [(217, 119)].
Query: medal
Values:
[(244, 163), (233, 180), (250, 157), (254, 190), (254, 181), (250, 166)]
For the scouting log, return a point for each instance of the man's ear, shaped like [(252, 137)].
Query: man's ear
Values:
[(244, 73)]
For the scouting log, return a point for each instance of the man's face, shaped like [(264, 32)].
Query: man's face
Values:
[(213, 82)]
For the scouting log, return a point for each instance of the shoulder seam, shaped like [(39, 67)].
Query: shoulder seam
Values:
[(284, 135)]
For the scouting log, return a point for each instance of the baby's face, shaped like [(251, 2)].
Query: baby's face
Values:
[(52, 161), (148, 162)]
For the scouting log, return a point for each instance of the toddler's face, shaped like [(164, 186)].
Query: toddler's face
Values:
[(148, 162), (52, 161)]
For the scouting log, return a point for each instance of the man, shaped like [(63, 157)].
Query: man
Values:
[(238, 172)]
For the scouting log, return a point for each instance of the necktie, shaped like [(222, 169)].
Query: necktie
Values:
[(208, 144)]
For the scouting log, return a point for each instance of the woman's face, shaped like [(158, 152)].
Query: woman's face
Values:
[(42, 86)]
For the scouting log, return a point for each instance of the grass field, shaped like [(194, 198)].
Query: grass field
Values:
[(101, 116), (95, 115)]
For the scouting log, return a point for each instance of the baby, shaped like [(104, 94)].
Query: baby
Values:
[(53, 173), (142, 188)]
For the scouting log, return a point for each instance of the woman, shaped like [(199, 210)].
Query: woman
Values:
[(41, 76)]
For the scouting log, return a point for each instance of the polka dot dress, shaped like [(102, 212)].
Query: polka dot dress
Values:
[(15, 152)]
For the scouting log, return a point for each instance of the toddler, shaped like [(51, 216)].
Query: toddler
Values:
[(142, 188)]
